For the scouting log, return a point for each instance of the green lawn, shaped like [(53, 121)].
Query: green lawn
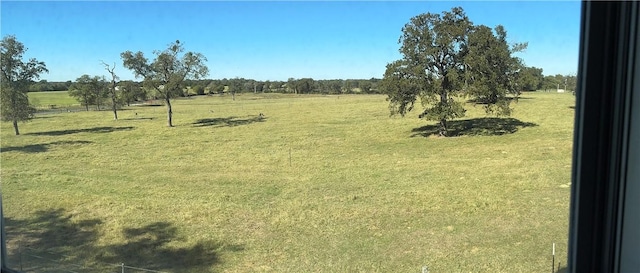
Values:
[(48, 98), (321, 184)]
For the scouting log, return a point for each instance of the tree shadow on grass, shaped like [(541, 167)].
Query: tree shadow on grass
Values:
[(40, 148), (151, 118), (229, 121), (44, 117), (86, 130), (149, 247), (475, 127), (59, 241), (37, 244), (483, 102)]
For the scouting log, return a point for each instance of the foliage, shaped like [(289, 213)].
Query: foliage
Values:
[(334, 86), (559, 81), (293, 85), (14, 82), (258, 87), (530, 79), (167, 72), (304, 85), (446, 57), (89, 90), (276, 86), (491, 71), (401, 86), (348, 86), (131, 91), (215, 87), (198, 89), (235, 86), (44, 85), (433, 48)]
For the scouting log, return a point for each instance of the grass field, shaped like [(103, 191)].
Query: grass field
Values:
[(49, 98), (321, 184)]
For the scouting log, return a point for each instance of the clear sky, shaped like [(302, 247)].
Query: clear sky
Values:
[(270, 40)]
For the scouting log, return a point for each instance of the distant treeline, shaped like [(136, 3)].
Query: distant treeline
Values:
[(531, 82), (296, 86), (242, 85), (44, 85)]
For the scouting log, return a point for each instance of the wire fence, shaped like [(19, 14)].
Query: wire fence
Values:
[(36, 260)]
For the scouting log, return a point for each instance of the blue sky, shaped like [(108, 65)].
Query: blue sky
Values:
[(270, 40)]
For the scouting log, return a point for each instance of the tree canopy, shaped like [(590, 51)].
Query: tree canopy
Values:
[(167, 72), (89, 90), (445, 58), (491, 71), (130, 91), (17, 75), (530, 79)]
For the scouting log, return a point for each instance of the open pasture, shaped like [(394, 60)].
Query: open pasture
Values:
[(320, 184), (47, 99)]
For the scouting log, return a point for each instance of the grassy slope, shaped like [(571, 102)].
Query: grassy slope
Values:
[(361, 194), (57, 98)]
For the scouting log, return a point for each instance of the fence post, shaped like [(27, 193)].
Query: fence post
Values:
[(122, 265), (20, 256)]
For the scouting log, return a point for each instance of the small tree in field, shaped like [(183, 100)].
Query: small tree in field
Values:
[(16, 77), (167, 72), (112, 89), (130, 91), (88, 90)]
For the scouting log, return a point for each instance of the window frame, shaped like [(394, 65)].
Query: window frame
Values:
[(608, 48)]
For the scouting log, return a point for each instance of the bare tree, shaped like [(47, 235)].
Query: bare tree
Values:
[(112, 89)]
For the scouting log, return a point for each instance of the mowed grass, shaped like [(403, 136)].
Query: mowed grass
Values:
[(48, 98), (320, 184)]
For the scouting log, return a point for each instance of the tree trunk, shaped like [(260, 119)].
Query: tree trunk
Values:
[(493, 98), (115, 111), (233, 96), (15, 127), (443, 121), (169, 112), (86, 105), (113, 96), (443, 128)]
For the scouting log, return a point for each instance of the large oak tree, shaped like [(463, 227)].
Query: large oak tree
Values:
[(446, 57), (17, 76), (167, 72), (432, 66)]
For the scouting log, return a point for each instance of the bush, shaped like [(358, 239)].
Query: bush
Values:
[(199, 89)]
